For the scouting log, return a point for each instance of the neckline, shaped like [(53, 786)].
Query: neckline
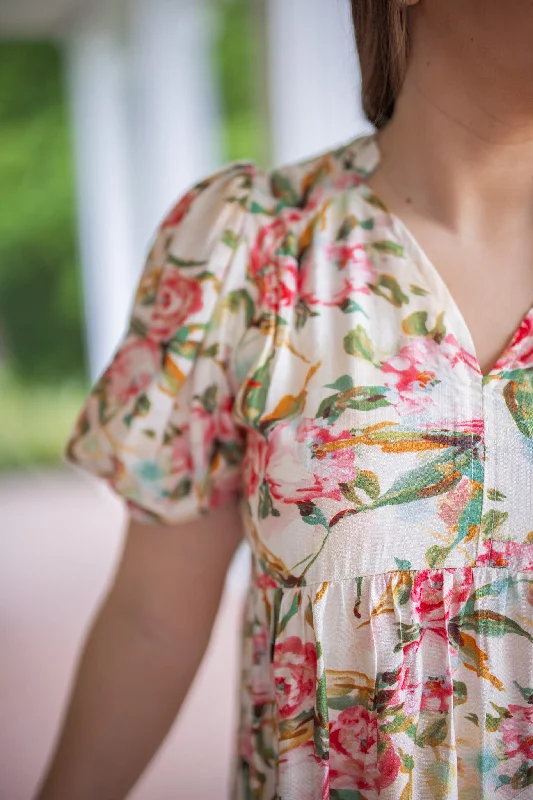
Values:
[(368, 159)]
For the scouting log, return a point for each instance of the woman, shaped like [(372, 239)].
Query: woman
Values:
[(345, 345)]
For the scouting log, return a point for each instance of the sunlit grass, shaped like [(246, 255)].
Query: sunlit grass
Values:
[(35, 421)]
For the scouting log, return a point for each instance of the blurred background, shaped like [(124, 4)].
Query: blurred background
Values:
[(109, 110)]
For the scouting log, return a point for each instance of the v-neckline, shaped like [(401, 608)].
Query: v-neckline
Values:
[(439, 287)]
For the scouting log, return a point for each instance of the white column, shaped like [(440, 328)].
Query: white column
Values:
[(145, 120), (314, 77), (100, 136), (173, 103)]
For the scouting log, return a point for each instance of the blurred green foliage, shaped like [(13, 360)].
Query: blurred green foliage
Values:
[(42, 365), (238, 63), (39, 276)]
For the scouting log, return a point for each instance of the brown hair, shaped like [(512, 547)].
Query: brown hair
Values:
[(383, 43)]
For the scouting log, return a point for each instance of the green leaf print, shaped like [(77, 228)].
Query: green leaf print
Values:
[(460, 693), (493, 723), (388, 247), (373, 199), (357, 343), (348, 491), (358, 398), (284, 621), (434, 735), (490, 623), (393, 292), (345, 794), (416, 323), (289, 246), (266, 506), (433, 478), (238, 298), (231, 238), (303, 312), (418, 290), (141, 408), (348, 225), (495, 495), (349, 306), (343, 702), (232, 453), (403, 565), (369, 482), (526, 692), (211, 351), (408, 633), (142, 404), (490, 521), (181, 262), (523, 777), (321, 728), (284, 189), (399, 724), (209, 398), (182, 345), (255, 392), (311, 514), (342, 384), (138, 327), (367, 224), (436, 555), (407, 760), (518, 395), (257, 208), (183, 489)]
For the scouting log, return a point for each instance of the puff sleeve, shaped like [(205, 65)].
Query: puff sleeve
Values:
[(158, 424)]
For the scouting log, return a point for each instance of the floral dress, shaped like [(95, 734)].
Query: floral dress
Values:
[(291, 349)]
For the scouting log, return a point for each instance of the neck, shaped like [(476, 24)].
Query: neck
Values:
[(466, 164)]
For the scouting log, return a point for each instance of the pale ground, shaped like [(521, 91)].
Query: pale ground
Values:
[(60, 536)]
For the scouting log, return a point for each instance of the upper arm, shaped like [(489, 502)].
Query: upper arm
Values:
[(170, 574)]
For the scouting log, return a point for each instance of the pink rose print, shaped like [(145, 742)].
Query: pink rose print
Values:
[(294, 479), (451, 505), (434, 604), (303, 761), (253, 463), (517, 732), (437, 693), (176, 214), (343, 253), (182, 463), (410, 370), (261, 679), (516, 555), (266, 581), (354, 279), (225, 486), (389, 766), (178, 297), (131, 371), (294, 676), (525, 331), (247, 743), (274, 273), (218, 425), (354, 760), (520, 348)]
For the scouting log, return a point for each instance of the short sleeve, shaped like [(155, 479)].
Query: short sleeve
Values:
[(158, 424)]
